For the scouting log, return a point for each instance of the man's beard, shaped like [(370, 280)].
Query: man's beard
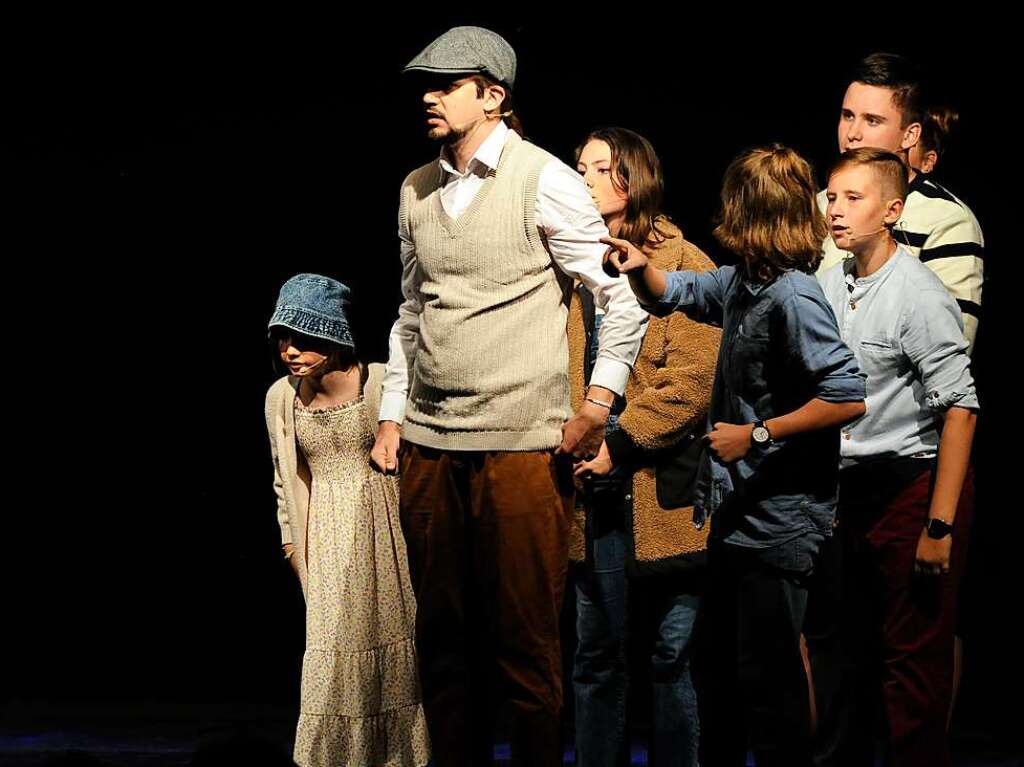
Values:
[(449, 134)]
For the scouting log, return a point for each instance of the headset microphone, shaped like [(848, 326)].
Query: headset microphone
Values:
[(865, 234), (466, 127)]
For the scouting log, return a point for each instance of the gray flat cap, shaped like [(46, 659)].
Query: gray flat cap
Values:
[(468, 49)]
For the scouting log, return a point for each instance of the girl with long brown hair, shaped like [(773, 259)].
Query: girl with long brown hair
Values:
[(634, 543)]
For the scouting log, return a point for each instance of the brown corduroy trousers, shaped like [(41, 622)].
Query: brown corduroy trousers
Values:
[(487, 535)]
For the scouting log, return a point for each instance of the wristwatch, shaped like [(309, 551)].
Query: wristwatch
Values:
[(760, 436), (937, 529)]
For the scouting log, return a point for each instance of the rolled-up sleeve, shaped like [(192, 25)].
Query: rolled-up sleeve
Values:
[(573, 228), (934, 341), (816, 350), (699, 295)]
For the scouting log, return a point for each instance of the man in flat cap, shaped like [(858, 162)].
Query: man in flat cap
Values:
[(493, 232)]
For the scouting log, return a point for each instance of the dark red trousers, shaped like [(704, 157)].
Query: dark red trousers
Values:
[(487, 535), (898, 625)]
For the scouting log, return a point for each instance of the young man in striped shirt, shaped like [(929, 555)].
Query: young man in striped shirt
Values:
[(884, 108)]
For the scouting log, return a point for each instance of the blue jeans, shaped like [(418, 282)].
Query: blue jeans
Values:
[(600, 675)]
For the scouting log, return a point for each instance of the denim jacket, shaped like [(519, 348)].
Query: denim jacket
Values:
[(780, 348)]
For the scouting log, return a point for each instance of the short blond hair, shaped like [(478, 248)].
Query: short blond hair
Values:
[(889, 170)]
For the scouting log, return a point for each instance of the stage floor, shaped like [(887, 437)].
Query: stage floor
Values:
[(146, 734)]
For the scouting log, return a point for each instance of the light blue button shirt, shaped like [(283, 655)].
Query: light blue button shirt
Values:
[(907, 334)]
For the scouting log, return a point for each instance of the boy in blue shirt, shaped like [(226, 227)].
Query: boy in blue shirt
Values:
[(906, 490), (784, 384)]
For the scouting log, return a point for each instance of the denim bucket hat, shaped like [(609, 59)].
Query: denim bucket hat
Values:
[(316, 306)]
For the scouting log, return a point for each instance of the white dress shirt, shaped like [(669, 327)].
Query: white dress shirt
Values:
[(571, 226)]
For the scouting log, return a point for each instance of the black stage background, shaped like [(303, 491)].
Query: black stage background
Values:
[(173, 178)]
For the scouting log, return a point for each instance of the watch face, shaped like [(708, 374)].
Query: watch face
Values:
[(938, 529), (760, 434)]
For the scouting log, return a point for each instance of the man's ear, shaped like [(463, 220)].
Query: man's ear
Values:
[(928, 161), (494, 95), (893, 211), (911, 135)]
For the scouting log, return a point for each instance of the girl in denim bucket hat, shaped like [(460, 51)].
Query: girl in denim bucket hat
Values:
[(360, 699)]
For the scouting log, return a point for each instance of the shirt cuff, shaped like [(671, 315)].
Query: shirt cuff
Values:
[(392, 407), (940, 403), (669, 301), (611, 374), (852, 388)]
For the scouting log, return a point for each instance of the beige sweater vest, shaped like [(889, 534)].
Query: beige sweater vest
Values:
[(491, 368), (291, 475)]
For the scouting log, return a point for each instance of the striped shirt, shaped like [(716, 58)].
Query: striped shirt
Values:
[(941, 231)]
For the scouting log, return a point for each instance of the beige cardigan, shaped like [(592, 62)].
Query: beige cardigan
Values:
[(291, 474)]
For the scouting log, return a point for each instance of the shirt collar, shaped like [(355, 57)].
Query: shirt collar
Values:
[(487, 154), (754, 286), (850, 266), (920, 180)]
